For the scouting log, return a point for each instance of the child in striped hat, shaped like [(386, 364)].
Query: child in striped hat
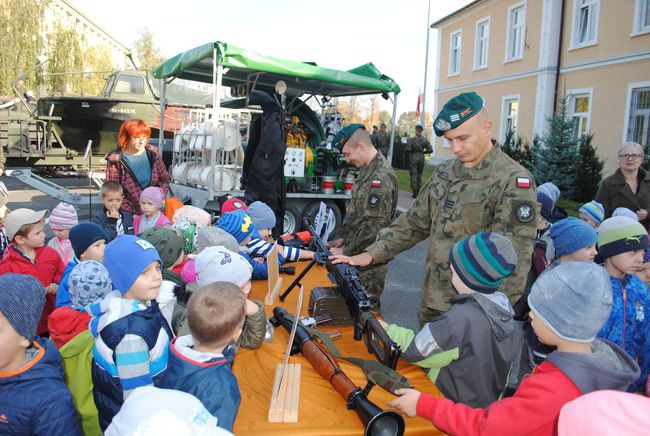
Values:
[(61, 220), (469, 350), (593, 213)]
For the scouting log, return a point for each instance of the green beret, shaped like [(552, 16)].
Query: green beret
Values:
[(344, 135), (419, 127), (457, 110)]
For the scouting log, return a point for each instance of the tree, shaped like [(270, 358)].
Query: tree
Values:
[(65, 56), (589, 171), (96, 58), (555, 157), (147, 53), (21, 42), (350, 108), (518, 149), (407, 121)]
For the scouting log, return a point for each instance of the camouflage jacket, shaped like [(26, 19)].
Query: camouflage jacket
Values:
[(416, 148), (457, 202), (381, 142), (373, 204)]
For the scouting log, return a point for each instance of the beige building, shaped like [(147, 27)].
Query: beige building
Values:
[(509, 51)]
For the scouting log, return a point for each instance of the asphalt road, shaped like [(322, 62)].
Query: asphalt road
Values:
[(402, 293)]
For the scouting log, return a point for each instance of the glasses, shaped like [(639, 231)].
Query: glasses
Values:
[(630, 156)]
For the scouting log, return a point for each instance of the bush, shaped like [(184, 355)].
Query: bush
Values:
[(518, 149), (589, 171)]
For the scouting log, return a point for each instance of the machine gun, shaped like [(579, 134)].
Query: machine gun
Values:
[(377, 422), (349, 285)]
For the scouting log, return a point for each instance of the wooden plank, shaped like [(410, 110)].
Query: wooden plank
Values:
[(276, 409), (274, 281), (292, 403)]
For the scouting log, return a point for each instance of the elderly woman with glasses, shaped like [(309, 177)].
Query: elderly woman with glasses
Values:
[(135, 164), (629, 186)]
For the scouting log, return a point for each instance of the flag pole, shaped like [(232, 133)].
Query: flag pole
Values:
[(426, 66)]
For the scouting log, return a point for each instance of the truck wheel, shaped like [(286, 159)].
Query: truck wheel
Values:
[(312, 210), (292, 219)]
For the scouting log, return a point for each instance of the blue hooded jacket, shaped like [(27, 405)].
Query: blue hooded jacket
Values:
[(35, 400), (212, 382), (628, 325)]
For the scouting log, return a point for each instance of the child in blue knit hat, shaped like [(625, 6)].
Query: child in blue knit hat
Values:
[(593, 213), (239, 224), (574, 241), (131, 333), (469, 350), (621, 243)]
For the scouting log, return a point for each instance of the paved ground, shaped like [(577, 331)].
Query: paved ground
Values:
[(401, 297)]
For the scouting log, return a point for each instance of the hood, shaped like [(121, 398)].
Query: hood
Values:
[(65, 323), (609, 367), (181, 348), (497, 309), (45, 365), (110, 309)]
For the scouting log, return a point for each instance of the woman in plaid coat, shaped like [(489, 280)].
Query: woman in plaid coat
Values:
[(135, 164)]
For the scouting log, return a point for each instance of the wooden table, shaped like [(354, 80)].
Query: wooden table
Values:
[(322, 411)]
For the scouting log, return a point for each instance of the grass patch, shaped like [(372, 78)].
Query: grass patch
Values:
[(404, 179), (570, 206)]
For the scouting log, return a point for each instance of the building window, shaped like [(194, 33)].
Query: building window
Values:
[(509, 115), (516, 32), (585, 22), (481, 44), (641, 17), (454, 53), (580, 111), (638, 123)]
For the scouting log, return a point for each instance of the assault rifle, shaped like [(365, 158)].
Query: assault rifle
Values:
[(346, 278)]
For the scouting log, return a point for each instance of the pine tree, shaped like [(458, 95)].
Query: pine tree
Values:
[(589, 171), (518, 149), (555, 159)]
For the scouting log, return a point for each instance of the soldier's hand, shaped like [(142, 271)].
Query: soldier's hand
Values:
[(363, 259), (336, 250), (407, 403), (337, 243)]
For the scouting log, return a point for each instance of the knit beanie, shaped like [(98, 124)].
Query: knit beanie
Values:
[(88, 283), (218, 264), (167, 241), (573, 299), (262, 215), (233, 204), (550, 190), (570, 235), (213, 236), (84, 235), (238, 223), (547, 205), (201, 217), (624, 211), (63, 217), (188, 230), (154, 195), (483, 260), (21, 301), (594, 211), (619, 234), (125, 258)]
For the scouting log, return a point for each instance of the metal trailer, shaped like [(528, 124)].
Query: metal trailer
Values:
[(223, 64)]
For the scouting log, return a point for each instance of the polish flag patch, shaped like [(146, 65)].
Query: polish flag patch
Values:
[(523, 182), (376, 183)]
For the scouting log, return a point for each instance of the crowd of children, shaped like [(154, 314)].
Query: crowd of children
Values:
[(136, 307)]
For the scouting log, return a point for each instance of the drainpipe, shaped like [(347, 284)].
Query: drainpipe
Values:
[(559, 57)]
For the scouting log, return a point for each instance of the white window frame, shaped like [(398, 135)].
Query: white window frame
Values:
[(575, 26), (628, 103), (504, 102), (483, 21), (641, 7), (450, 72), (581, 92), (509, 34)]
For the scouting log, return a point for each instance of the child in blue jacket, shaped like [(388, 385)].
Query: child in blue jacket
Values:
[(33, 396)]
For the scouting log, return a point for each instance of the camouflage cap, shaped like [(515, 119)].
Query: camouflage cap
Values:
[(456, 111), (167, 241), (345, 134)]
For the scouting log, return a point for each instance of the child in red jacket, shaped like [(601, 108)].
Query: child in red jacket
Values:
[(27, 255), (569, 304)]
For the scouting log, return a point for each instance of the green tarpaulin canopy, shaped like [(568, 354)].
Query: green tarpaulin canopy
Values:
[(300, 77)]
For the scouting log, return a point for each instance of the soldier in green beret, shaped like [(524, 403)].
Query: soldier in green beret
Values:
[(415, 148), (374, 200), (481, 189)]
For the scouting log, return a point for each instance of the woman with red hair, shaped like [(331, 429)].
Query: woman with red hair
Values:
[(135, 164)]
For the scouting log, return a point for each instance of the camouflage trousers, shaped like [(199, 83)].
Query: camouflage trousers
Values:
[(373, 278), (427, 314), (415, 170)]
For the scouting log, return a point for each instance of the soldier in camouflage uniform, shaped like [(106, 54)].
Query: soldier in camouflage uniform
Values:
[(381, 140), (374, 200), (415, 149), (482, 189)]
